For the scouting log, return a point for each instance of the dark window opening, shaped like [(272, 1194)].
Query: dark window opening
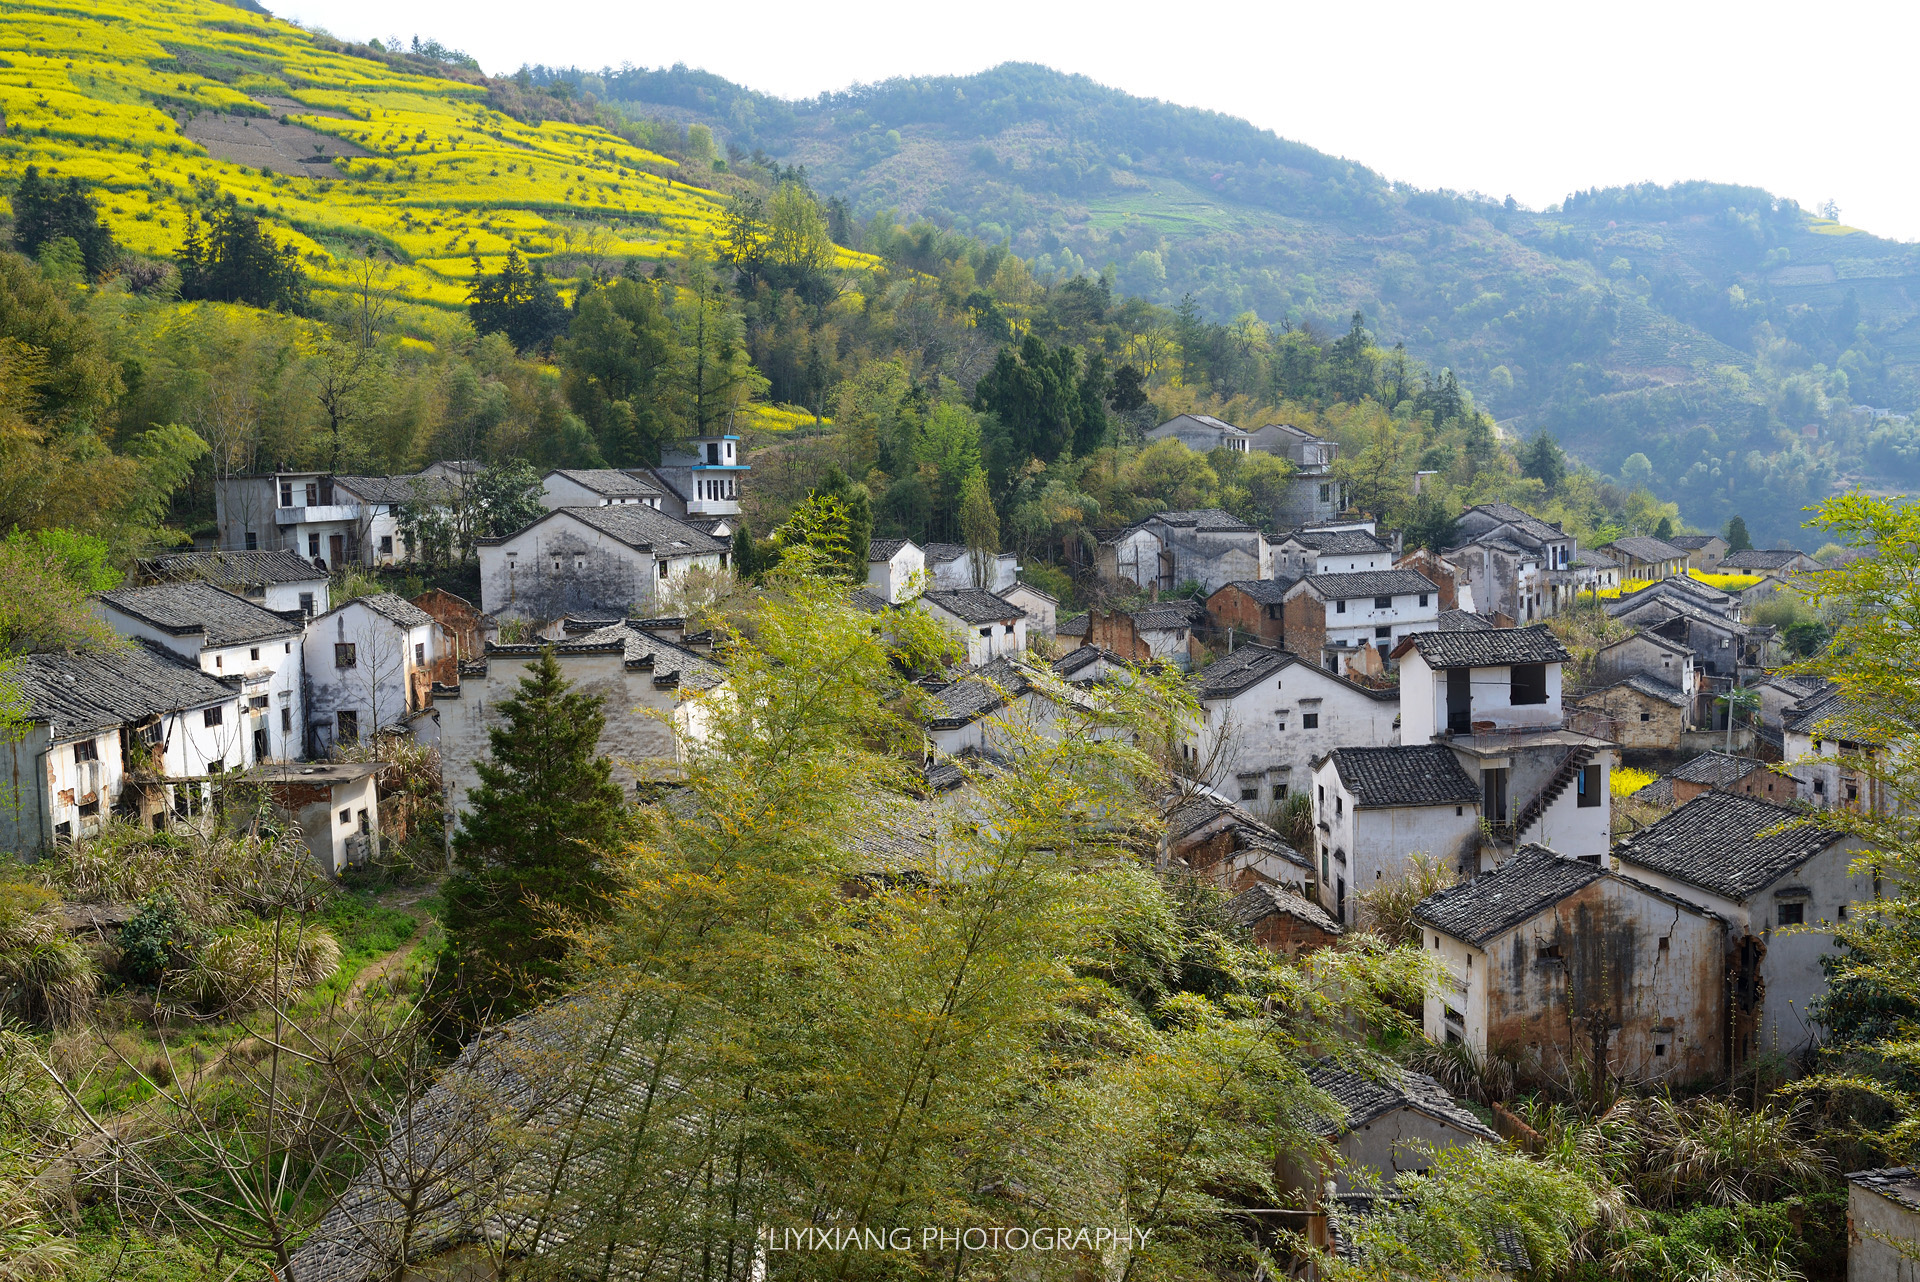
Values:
[(286, 494), (1250, 794), (345, 655), (1529, 683), (1793, 914), (253, 541), (1459, 700), (1590, 788), (1339, 607), (212, 716), (86, 750), (1423, 598), (1659, 1048), (386, 544), (1383, 634), (90, 809), (1383, 603), (1309, 721), (306, 604), (347, 727), (1493, 789), (1279, 792)]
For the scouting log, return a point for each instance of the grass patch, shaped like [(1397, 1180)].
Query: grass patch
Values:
[(365, 927)]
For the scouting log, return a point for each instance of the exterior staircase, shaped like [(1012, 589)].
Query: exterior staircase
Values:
[(1570, 767)]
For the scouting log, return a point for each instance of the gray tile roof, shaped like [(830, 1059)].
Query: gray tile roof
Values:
[(1642, 548), (89, 690), (1247, 665), (977, 692), (639, 526), (941, 553), (1262, 591), (1365, 583), (1205, 518), (695, 671), (1759, 559), (396, 608), (1165, 617), (1716, 769), (1336, 542), (1422, 774), (1496, 648), (1464, 621), (1253, 906), (1668, 605), (608, 482), (1651, 638), (1896, 1183), (884, 549), (1692, 542), (1657, 793), (1362, 1098), (974, 605), (1075, 627), (1525, 523), (394, 490), (1652, 687), (234, 569), (181, 609), (1495, 902), (1593, 560), (1714, 842)]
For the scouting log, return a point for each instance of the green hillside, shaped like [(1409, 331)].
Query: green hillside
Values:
[(1697, 325)]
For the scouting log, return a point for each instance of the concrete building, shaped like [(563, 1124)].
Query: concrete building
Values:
[(1133, 555), (1042, 609), (369, 670), (616, 560), (1594, 573), (951, 567), (1883, 1224), (1328, 552), (1641, 557), (988, 626), (1505, 557), (699, 482), (135, 731), (1167, 550), (894, 568), (1774, 563), (1267, 715), (1325, 615), (1547, 954), (231, 638), (1373, 807), (1283, 922), (1251, 608), (640, 676), (1497, 679), (335, 804), (279, 581), (332, 521), (1823, 745), (1314, 494), (1775, 892), (1202, 433), (596, 487), (1389, 1124)]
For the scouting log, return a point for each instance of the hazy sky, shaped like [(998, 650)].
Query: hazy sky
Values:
[(1815, 102)]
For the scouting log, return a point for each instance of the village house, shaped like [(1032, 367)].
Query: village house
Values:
[(894, 568), (1820, 741), (335, 804), (1494, 699), (1726, 652), (699, 482), (640, 676), (1326, 614), (1133, 555), (279, 581), (1717, 770), (1009, 690), (1437, 570), (1313, 495), (1504, 557), (951, 566), (1202, 433), (1557, 956), (1642, 557), (1373, 807), (1283, 922), (1640, 712), (1251, 608), (1226, 844), (1163, 632), (1391, 1121), (228, 637), (990, 626), (1645, 654), (1594, 573), (1775, 563), (615, 560), (1205, 546), (1041, 608), (333, 521), (1704, 551), (1265, 716), (133, 730), (1777, 883), (1339, 551), (1688, 590), (464, 632), (369, 668), (1780, 696), (1883, 1218), (595, 487)]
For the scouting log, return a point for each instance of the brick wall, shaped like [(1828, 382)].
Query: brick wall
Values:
[(1304, 629)]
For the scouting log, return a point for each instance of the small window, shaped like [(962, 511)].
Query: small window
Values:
[(1339, 607), (419, 653), (1309, 721), (663, 569), (1423, 598), (347, 727), (286, 720), (1383, 603), (1279, 792), (1383, 634), (346, 817), (313, 494), (386, 544), (253, 541), (1551, 952), (1007, 628), (1666, 944), (366, 824), (1819, 787), (1529, 683), (313, 545), (1339, 804), (90, 809), (219, 660), (86, 750), (257, 702), (1793, 914), (1250, 794), (306, 608), (1659, 1049), (345, 655), (1646, 716), (212, 716), (987, 632), (1590, 792), (286, 494), (254, 654)]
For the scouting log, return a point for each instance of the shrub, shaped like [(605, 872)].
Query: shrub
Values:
[(246, 968), (45, 976), (157, 940), (1387, 906)]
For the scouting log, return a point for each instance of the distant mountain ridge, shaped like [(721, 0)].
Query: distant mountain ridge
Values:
[(1698, 325)]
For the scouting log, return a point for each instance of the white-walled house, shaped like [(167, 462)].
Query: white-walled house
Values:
[(369, 669), (105, 730), (641, 677), (1373, 807), (1780, 894), (1325, 616), (1007, 689), (990, 626), (950, 565), (1494, 698), (591, 560), (332, 521), (1266, 715), (279, 581), (1390, 1124), (1042, 608), (335, 804), (228, 637), (1328, 551), (894, 568), (595, 487)]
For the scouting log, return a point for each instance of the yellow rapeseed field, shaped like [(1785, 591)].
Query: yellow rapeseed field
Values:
[(1725, 582), (108, 93)]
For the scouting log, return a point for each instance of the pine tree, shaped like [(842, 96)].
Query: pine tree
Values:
[(532, 846), (1738, 540), (858, 503), (45, 212), (1664, 530)]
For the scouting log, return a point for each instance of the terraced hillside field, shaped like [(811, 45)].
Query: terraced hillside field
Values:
[(157, 105)]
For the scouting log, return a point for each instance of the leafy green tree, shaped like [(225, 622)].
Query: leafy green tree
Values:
[(1432, 522), (856, 503), (617, 365), (712, 378), (797, 237), (980, 526), (504, 497), (1542, 458), (535, 849), (1738, 540), (518, 301), (1353, 364), (1128, 394), (1035, 394), (229, 258), (744, 234), (46, 212), (818, 537), (1664, 530)]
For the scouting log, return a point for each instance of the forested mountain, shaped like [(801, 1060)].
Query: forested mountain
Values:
[(1721, 333)]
